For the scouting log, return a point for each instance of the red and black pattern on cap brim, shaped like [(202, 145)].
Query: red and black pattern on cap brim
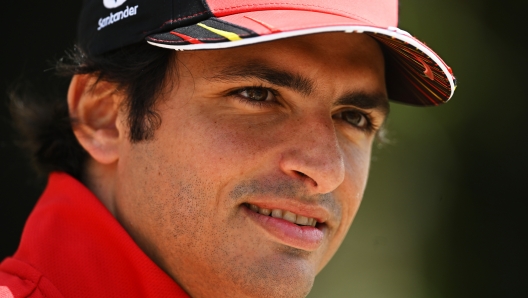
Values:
[(202, 33), (413, 77)]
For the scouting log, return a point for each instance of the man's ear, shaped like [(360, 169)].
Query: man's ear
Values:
[(94, 107)]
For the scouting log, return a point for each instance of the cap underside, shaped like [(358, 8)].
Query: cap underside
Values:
[(415, 74)]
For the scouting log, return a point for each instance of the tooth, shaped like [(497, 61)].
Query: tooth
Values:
[(276, 213), (253, 207), (314, 222), (264, 211), (302, 220), (289, 216)]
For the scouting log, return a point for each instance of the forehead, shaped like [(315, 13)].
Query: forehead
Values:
[(354, 59), (353, 46)]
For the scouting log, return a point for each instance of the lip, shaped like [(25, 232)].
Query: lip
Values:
[(302, 237)]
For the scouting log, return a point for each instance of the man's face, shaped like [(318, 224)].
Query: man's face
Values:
[(285, 126)]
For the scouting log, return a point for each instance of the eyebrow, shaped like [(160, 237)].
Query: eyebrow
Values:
[(260, 71), (366, 101)]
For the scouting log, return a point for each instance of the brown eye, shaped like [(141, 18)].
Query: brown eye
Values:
[(257, 94), (355, 118)]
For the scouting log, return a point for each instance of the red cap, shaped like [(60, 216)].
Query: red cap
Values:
[(414, 73)]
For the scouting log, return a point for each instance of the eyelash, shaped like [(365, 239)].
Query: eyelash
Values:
[(368, 128), (258, 104)]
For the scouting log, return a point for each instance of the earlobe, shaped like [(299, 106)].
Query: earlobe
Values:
[(94, 107)]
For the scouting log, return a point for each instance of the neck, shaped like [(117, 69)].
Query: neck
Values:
[(99, 178)]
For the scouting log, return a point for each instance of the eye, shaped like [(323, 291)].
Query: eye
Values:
[(257, 94), (355, 118)]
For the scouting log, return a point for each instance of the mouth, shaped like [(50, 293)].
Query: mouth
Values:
[(286, 227), (284, 214)]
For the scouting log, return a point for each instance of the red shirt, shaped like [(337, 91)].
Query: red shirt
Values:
[(72, 246)]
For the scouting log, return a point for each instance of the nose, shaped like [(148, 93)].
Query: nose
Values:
[(313, 155)]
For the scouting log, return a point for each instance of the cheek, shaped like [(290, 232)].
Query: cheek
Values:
[(225, 148), (349, 193), (190, 157), (357, 163)]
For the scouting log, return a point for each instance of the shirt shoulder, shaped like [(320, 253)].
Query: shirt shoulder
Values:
[(20, 280)]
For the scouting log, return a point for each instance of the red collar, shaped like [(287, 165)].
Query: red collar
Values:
[(78, 246)]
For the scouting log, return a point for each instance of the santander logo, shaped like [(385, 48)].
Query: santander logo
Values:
[(113, 3)]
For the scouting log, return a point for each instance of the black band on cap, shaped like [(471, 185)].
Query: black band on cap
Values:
[(106, 25)]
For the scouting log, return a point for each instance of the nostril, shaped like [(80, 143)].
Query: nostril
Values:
[(303, 176)]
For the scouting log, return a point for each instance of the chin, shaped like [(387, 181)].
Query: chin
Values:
[(287, 276), (278, 287)]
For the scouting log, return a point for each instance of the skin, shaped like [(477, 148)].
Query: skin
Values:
[(224, 141)]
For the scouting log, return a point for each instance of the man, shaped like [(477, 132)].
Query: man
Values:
[(231, 168)]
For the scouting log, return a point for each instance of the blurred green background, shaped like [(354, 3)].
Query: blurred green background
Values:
[(444, 212)]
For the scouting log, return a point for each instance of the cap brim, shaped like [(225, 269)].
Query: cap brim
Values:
[(414, 73)]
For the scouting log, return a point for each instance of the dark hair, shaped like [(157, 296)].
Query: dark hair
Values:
[(44, 122)]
